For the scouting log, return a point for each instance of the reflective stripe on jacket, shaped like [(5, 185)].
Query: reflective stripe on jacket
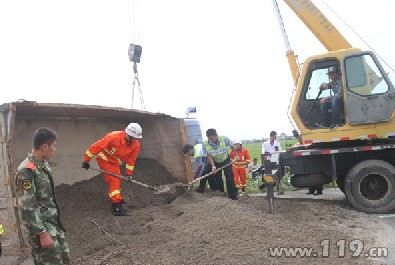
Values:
[(220, 153), (114, 149), (244, 156)]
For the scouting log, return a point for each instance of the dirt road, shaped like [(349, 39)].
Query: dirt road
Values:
[(211, 229)]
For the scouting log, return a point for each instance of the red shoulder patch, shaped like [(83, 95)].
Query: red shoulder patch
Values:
[(30, 165)]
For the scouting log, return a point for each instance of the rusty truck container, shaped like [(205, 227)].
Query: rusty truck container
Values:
[(77, 127)]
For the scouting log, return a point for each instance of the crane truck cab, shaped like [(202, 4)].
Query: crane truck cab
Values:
[(368, 97), (359, 154)]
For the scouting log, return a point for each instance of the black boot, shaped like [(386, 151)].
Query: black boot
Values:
[(117, 209), (311, 191)]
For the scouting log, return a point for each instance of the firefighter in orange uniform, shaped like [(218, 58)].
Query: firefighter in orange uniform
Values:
[(239, 167), (111, 151)]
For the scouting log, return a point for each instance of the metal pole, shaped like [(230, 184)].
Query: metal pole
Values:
[(270, 184), (270, 195), (267, 163), (281, 24)]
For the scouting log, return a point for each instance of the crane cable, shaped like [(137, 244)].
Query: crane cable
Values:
[(136, 80), (135, 25), (370, 47)]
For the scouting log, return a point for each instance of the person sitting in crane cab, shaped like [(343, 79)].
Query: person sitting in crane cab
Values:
[(335, 101)]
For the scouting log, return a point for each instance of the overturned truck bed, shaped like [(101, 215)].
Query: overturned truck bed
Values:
[(77, 127)]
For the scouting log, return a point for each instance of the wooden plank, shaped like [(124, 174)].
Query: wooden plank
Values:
[(183, 130), (187, 159), (3, 203), (3, 124), (10, 146), (6, 181), (7, 209)]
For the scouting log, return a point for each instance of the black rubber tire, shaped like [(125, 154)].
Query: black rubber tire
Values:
[(309, 180), (370, 186)]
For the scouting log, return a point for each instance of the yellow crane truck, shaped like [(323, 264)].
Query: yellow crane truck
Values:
[(359, 154)]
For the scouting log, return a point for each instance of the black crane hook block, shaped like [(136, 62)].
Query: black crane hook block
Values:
[(134, 52)]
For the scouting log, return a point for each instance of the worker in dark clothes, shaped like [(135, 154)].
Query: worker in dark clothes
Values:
[(316, 190), (202, 167)]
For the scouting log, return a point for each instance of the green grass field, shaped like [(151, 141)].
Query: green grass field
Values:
[(255, 150)]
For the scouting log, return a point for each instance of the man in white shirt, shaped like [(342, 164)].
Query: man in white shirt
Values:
[(272, 144)]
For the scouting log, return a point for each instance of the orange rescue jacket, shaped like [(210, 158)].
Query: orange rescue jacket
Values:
[(114, 149), (244, 156)]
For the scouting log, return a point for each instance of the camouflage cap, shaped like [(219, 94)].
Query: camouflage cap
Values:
[(333, 69)]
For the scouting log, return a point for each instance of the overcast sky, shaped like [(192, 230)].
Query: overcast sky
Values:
[(226, 57)]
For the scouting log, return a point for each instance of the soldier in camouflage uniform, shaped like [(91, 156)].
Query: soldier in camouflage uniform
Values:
[(37, 204)]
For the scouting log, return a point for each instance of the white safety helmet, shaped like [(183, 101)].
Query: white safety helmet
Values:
[(134, 130), (237, 142)]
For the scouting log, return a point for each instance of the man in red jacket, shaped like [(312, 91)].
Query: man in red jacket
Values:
[(239, 166), (111, 151)]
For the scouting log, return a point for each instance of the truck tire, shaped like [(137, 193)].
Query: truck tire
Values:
[(309, 180), (370, 186), (340, 184)]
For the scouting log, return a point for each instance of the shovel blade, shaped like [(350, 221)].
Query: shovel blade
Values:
[(165, 189), (182, 188)]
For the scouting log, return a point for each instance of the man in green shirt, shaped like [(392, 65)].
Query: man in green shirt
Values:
[(38, 208)]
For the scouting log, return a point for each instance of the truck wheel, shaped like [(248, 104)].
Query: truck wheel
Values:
[(309, 180), (340, 184), (370, 186)]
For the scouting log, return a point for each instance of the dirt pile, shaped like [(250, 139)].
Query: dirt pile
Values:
[(211, 229), (204, 228), (91, 195)]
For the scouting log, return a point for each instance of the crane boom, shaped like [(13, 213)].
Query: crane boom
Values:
[(292, 61), (318, 24)]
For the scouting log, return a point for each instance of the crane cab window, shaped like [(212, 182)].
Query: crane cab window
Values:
[(309, 107), (369, 92), (318, 77), (363, 76)]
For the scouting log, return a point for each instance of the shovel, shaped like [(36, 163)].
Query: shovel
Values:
[(162, 189), (189, 185)]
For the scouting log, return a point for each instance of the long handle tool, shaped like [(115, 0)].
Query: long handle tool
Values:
[(208, 174), (162, 189), (189, 185)]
